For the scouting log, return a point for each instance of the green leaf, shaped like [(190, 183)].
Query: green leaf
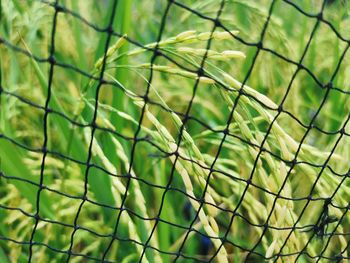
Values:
[(12, 164)]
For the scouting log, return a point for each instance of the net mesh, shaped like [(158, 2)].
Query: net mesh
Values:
[(284, 200)]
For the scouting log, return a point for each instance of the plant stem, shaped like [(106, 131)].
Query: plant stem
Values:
[(123, 26)]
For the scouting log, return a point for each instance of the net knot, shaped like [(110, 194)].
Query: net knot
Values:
[(93, 124), (109, 29), (226, 131), (201, 200), (223, 239), (300, 66), (327, 201), (59, 8), (103, 81), (157, 52), (339, 257), (329, 85), (259, 45), (145, 98), (294, 162), (217, 23), (51, 59), (37, 216), (200, 72)]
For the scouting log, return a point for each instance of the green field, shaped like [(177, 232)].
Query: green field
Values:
[(163, 131)]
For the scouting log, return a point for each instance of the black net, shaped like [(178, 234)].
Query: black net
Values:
[(126, 136)]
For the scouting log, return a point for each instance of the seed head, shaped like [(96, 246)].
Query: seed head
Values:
[(185, 35), (225, 35), (206, 80)]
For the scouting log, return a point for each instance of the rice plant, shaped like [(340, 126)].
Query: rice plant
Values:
[(146, 131)]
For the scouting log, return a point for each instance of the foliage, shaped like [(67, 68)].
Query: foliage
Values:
[(27, 25)]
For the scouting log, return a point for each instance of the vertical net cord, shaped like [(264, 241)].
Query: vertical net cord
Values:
[(135, 139), (270, 128), (328, 158), (261, 149), (157, 51), (109, 31), (217, 24), (338, 224), (224, 138), (184, 121), (51, 60), (327, 201)]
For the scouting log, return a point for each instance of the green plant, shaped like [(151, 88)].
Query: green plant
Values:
[(24, 84)]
